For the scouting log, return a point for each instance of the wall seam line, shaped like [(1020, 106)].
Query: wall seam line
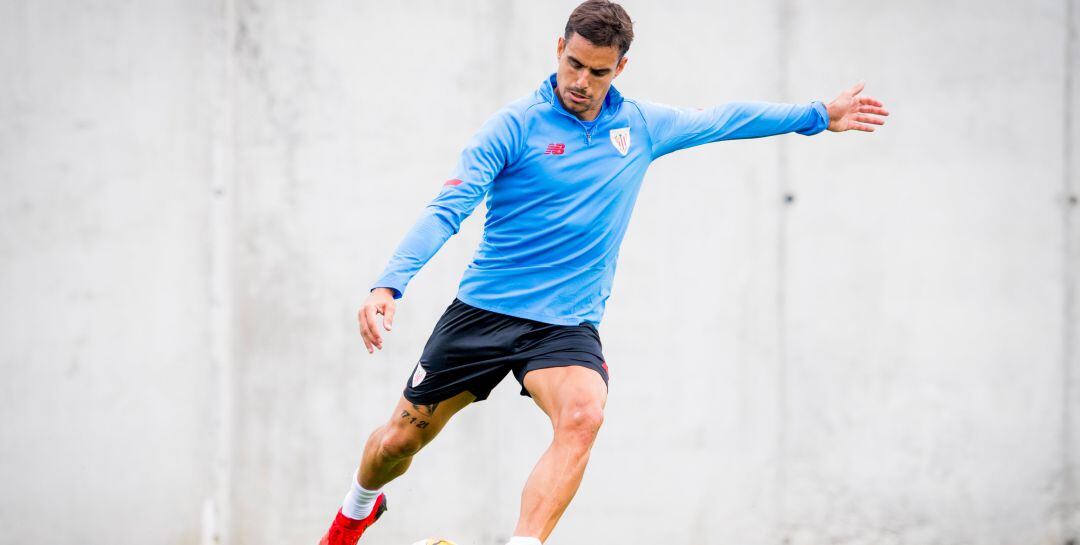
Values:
[(783, 83), (1070, 503), (222, 207)]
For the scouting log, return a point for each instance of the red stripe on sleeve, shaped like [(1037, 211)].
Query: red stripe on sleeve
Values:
[(455, 181)]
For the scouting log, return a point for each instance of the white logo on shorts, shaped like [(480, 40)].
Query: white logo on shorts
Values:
[(418, 376)]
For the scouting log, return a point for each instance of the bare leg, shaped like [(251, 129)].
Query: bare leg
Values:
[(574, 398), (390, 448)]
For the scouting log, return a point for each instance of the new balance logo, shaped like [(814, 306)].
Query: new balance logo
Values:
[(555, 149)]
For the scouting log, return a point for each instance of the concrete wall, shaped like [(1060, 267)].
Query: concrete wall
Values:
[(107, 401), (195, 196)]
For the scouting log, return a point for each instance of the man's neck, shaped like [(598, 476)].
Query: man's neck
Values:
[(586, 116)]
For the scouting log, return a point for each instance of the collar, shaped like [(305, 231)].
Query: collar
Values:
[(611, 101)]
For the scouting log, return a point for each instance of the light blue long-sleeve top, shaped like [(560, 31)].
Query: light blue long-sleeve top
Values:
[(560, 192)]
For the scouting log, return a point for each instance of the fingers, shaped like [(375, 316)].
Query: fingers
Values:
[(861, 127), (857, 88), (368, 329), (868, 101), (373, 328), (864, 118), (872, 110), (388, 315), (362, 316)]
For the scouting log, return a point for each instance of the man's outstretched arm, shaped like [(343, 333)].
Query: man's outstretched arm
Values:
[(672, 129)]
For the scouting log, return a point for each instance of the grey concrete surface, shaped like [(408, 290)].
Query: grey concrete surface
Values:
[(938, 273), (195, 196), (107, 409)]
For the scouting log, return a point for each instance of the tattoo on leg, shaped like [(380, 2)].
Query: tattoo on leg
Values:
[(406, 415), (426, 410)]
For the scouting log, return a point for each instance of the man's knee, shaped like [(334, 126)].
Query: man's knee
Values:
[(580, 422), (398, 442)]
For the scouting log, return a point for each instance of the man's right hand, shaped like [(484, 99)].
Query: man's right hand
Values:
[(379, 301)]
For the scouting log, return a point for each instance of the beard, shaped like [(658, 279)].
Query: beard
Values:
[(568, 99)]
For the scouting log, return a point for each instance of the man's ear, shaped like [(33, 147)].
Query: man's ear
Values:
[(560, 47), (622, 64)]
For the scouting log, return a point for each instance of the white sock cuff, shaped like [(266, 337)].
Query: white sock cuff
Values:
[(359, 502), (360, 488)]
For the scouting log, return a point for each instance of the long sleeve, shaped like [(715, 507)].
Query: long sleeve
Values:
[(672, 129), (490, 150)]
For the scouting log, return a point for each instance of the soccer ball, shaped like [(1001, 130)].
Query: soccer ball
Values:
[(434, 541)]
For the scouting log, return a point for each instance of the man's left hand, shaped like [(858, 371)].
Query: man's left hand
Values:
[(851, 112)]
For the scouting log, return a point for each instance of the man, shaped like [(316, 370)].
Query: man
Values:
[(561, 169)]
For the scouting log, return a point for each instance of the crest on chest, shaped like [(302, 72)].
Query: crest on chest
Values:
[(620, 138)]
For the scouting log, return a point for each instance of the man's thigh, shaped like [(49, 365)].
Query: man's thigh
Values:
[(560, 389), (423, 422)]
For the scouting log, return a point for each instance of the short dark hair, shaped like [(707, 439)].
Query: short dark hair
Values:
[(603, 23)]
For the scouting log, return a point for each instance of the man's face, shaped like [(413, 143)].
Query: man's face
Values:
[(585, 74)]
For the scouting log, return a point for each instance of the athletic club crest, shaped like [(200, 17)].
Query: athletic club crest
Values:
[(418, 376), (620, 138)]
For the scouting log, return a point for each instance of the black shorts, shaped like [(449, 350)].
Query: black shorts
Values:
[(473, 349)]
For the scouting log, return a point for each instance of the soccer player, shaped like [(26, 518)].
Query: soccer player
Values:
[(560, 169)]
